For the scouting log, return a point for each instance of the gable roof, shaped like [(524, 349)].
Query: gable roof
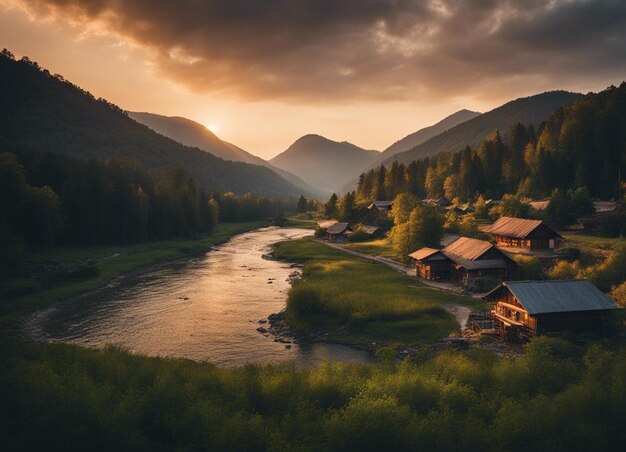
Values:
[(369, 229), (466, 252), (337, 228), (515, 227), (447, 239), (467, 248), (423, 253), (325, 224), (380, 204), (541, 297)]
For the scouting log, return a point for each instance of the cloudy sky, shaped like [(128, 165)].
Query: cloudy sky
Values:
[(264, 73)]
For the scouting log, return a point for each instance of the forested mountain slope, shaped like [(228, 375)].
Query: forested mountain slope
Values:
[(422, 135), (191, 133), (527, 110), (42, 112)]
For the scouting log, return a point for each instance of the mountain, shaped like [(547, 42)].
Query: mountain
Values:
[(322, 162), (41, 112), (416, 138), (191, 133), (527, 110)]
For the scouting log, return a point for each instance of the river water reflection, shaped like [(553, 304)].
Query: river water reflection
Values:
[(202, 309)]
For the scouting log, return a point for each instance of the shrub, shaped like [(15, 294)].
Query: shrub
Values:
[(529, 268), (564, 270), (485, 284), (619, 293), (359, 236), (320, 232), (304, 301), (611, 272), (570, 253), (613, 225)]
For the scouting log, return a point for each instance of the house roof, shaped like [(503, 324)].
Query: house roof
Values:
[(325, 224), (423, 253), (514, 227), (605, 206), (337, 228), (539, 205), (448, 239), (380, 204), (467, 248), (466, 252), (541, 297), (369, 229)]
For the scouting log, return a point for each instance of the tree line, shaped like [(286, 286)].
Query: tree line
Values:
[(579, 145), (51, 199)]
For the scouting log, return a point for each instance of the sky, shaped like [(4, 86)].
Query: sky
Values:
[(263, 73)]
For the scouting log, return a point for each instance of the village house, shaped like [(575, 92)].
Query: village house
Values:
[(523, 309), (437, 202), (464, 260), (381, 206), (338, 232), (520, 235)]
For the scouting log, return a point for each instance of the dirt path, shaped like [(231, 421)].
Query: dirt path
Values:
[(460, 312)]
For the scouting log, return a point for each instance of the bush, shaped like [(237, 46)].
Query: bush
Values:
[(304, 301), (611, 272), (485, 284), (529, 268), (564, 270), (619, 293), (359, 236), (320, 232), (570, 253), (83, 270), (613, 225)]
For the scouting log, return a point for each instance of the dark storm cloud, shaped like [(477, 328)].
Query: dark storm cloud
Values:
[(390, 49)]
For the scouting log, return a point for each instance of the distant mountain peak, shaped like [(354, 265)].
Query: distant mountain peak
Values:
[(322, 162)]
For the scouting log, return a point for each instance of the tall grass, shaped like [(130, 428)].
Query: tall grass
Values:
[(360, 301), (555, 397)]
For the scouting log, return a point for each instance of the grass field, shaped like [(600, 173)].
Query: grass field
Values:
[(379, 247), (113, 261), (363, 302)]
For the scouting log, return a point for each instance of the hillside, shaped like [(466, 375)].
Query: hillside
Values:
[(527, 110), (417, 138), (191, 133), (580, 148), (41, 112), (322, 162)]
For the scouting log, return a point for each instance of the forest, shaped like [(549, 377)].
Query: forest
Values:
[(49, 199), (580, 145)]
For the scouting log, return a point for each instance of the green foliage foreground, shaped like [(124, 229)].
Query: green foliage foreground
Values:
[(555, 397), (359, 301)]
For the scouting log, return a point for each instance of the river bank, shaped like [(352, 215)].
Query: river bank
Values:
[(114, 262)]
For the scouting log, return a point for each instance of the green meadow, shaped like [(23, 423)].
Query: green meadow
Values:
[(357, 301)]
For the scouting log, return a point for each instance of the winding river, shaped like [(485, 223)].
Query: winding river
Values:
[(202, 309)]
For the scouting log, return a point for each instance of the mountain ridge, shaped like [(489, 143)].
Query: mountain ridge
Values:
[(322, 162), (191, 133), (43, 112)]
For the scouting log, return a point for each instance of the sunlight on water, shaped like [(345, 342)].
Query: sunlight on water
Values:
[(201, 309)]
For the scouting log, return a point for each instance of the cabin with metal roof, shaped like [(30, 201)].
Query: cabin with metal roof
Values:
[(520, 235), (381, 206), (464, 260), (523, 309), (338, 232)]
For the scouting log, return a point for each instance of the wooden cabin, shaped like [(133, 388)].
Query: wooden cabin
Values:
[(381, 206), (523, 235), (437, 202), (464, 260), (431, 264), (523, 309), (338, 232)]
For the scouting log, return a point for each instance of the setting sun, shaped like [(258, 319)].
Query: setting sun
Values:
[(213, 127)]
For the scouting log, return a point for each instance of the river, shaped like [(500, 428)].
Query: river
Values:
[(207, 308)]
